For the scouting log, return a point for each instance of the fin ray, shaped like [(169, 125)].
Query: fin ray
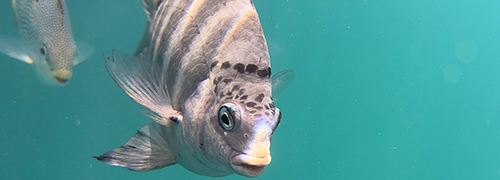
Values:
[(150, 10), (142, 81), (281, 80), (16, 48), (84, 51), (146, 151)]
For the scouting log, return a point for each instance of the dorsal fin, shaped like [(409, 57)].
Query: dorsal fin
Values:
[(150, 7)]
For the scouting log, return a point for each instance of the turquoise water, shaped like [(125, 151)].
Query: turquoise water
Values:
[(383, 90)]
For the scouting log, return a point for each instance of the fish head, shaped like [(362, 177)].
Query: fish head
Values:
[(59, 59), (245, 121)]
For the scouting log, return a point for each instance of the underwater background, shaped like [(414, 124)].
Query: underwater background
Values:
[(383, 90)]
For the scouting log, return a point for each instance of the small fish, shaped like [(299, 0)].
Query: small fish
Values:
[(203, 73), (46, 39)]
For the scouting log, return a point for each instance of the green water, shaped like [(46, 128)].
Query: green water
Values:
[(383, 90)]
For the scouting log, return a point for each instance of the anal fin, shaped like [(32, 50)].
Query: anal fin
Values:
[(146, 151)]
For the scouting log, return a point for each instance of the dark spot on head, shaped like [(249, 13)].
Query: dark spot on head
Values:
[(244, 97), (259, 107), (239, 67), (213, 64), (221, 95), (237, 96), (253, 111), (271, 105), (235, 88), (241, 91), (130, 146), (229, 93), (259, 98), (225, 65), (217, 80), (227, 81), (251, 104), (251, 68), (264, 72), (267, 114), (267, 107)]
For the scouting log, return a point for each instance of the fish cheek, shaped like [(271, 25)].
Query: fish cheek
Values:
[(213, 151), (236, 139), (211, 145)]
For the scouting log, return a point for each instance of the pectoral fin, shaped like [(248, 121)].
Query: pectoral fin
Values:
[(281, 80), (16, 48), (83, 52), (142, 80), (146, 151)]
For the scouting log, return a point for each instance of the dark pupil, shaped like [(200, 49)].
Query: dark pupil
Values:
[(42, 50), (225, 119)]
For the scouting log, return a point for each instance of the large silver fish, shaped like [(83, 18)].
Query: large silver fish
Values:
[(46, 39), (203, 71)]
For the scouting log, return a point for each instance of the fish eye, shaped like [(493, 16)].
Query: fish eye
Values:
[(43, 51), (226, 117)]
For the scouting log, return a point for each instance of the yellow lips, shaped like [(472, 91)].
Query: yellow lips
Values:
[(62, 76), (252, 160)]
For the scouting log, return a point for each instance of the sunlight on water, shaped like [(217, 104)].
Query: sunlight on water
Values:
[(452, 73), (466, 51)]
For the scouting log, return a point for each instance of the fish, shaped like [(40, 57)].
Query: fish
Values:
[(46, 40), (202, 72)]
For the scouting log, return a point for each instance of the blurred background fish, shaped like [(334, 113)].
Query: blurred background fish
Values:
[(46, 40)]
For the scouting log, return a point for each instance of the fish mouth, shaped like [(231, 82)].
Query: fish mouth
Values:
[(62, 77), (250, 166)]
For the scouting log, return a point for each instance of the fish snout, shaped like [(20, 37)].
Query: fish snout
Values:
[(62, 76), (253, 160)]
